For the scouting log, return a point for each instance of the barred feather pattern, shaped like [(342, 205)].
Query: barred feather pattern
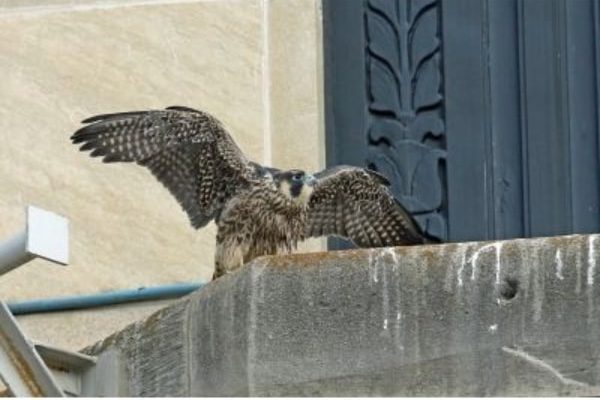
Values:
[(258, 222), (187, 150), (195, 158), (357, 204)]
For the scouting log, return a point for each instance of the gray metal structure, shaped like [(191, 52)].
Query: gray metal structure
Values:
[(485, 114), (27, 369), (21, 367), (45, 235)]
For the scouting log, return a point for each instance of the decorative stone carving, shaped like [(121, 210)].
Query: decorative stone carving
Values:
[(405, 132)]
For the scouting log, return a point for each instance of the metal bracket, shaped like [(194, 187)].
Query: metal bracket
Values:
[(21, 368), (69, 368), (45, 235)]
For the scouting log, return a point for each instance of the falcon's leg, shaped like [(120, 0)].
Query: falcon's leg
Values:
[(229, 256)]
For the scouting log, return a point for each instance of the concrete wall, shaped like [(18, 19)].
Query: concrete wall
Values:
[(520, 317), (255, 64)]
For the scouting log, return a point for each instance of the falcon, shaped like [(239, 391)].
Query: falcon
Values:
[(258, 210)]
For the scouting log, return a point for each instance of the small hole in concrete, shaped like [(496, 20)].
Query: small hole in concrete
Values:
[(509, 288), (323, 303)]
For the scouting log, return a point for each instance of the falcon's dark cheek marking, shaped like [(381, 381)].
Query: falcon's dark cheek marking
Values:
[(296, 189)]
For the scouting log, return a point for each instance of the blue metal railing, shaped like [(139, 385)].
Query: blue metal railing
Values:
[(102, 299)]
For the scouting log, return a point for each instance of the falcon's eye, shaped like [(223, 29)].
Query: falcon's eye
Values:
[(297, 177)]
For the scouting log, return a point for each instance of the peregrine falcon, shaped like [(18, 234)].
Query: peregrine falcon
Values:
[(258, 210)]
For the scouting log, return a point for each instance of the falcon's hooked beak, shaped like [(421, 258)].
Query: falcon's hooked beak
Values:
[(310, 180)]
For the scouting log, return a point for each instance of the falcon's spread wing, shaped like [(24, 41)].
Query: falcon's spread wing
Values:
[(357, 204), (189, 151)]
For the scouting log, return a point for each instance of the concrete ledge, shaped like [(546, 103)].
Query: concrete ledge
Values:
[(505, 318)]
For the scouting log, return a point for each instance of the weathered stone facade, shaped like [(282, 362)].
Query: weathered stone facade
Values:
[(512, 318)]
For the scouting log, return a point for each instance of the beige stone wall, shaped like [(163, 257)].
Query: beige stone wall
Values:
[(255, 64)]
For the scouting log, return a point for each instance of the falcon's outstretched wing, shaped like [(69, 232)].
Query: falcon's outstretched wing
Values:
[(357, 204), (189, 151)]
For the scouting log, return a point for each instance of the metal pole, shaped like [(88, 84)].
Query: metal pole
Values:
[(13, 252), (46, 235), (102, 299)]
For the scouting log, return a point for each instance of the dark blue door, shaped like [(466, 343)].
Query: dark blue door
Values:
[(483, 113)]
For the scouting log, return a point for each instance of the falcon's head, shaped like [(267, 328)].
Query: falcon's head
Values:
[(295, 184)]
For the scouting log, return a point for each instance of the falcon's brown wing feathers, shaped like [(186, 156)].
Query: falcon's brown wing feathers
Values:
[(357, 204), (189, 151)]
